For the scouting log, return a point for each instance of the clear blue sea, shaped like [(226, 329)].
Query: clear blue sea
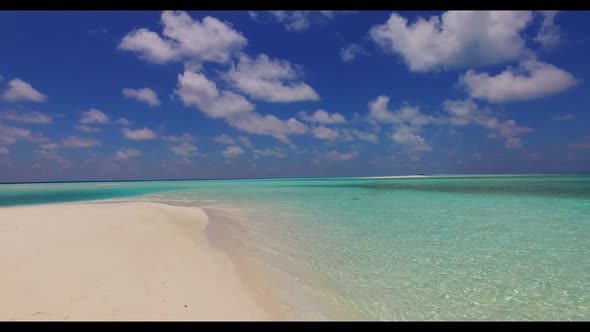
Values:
[(509, 247)]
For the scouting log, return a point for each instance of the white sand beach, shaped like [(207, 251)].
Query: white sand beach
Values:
[(118, 261)]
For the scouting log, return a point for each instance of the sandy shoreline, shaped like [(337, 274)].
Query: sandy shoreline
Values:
[(120, 261)]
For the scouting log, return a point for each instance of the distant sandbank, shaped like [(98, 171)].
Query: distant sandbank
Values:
[(395, 176)]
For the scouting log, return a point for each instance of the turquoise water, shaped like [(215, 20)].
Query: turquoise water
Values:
[(439, 248)]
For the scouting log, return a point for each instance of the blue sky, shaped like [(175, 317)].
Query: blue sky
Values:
[(103, 95)]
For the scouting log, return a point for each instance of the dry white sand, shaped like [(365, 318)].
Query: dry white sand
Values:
[(118, 261)]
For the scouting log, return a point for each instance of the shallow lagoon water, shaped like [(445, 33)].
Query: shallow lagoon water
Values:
[(437, 248)]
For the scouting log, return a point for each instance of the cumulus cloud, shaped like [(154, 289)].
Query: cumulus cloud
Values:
[(409, 115), (271, 152), (184, 138), (233, 151), (145, 95), (456, 39), (184, 38), (408, 122), (255, 123), (549, 33), (348, 53), (533, 79), (94, 116), (335, 155), (295, 20), (80, 142), (245, 141), (10, 135), (194, 89), (326, 133), (127, 153), (185, 149), (53, 155), (139, 134), (365, 136), (49, 146), (270, 80), (223, 139), (323, 117), (32, 117), (408, 137), (19, 90), (465, 112), (88, 129), (123, 122)]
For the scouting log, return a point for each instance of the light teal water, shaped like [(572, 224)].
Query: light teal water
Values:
[(437, 248)]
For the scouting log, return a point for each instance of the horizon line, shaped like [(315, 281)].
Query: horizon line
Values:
[(291, 177)]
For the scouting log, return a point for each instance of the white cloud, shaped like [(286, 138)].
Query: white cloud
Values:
[(185, 149), (49, 146), (19, 90), (145, 95), (80, 142), (32, 117), (335, 155), (296, 20), (127, 153), (184, 38), (233, 151), (245, 141), (533, 79), (94, 116), (563, 117), (253, 15), (52, 154), (10, 135), (323, 117), (184, 146), (350, 52), (88, 129), (465, 112), (184, 138), (408, 137), (409, 115), (139, 134), (326, 133), (123, 122), (549, 33), (274, 152), (408, 121), (365, 136), (456, 39), (255, 123), (194, 89), (4, 150), (224, 139), (270, 80), (293, 20)]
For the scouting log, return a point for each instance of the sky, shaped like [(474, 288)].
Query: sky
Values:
[(115, 95)]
